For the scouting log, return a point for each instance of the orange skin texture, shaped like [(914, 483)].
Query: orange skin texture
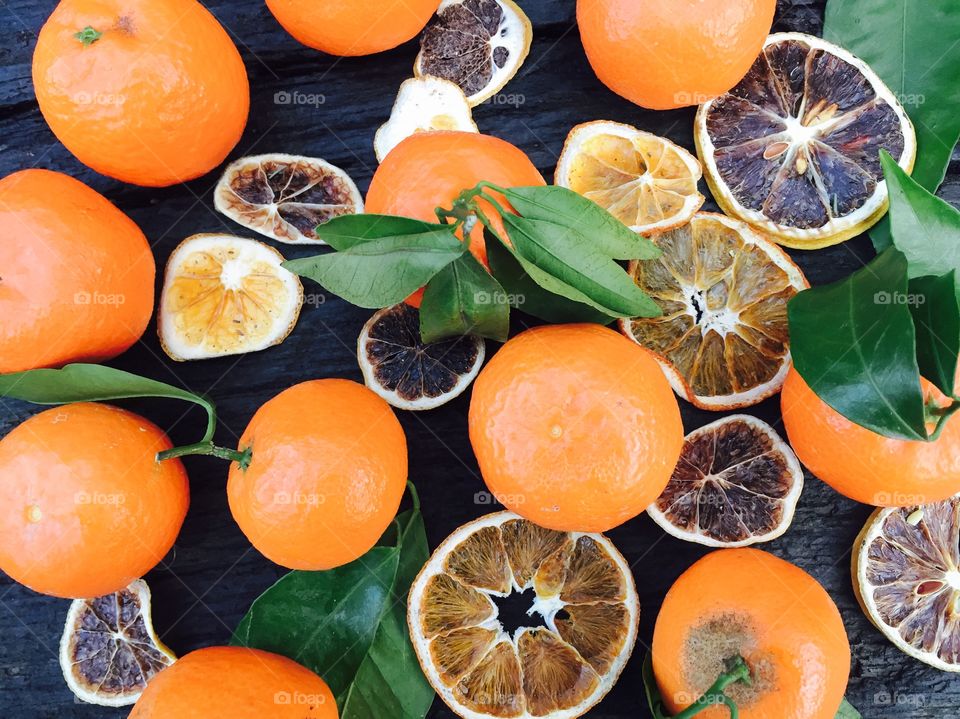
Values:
[(430, 169), (235, 682), (575, 427), (663, 54), (353, 27), (161, 98), (87, 507), (866, 466), (61, 244), (328, 472), (796, 627)]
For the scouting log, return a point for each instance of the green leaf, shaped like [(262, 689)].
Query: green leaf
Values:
[(384, 271), (924, 227), (464, 299), (554, 252), (846, 711), (95, 383), (347, 231), (575, 212), (936, 316), (862, 362), (651, 690)]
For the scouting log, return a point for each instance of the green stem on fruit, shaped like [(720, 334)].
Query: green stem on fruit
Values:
[(737, 671), (88, 36), (209, 449), (940, 415)]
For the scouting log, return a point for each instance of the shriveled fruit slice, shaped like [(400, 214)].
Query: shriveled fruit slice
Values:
[(509, 619), (109, 650), (225, 295), (411, 374), (478, 44), (286, 197), (424, 104), (906, 574), (645, 181), (723, 339), (737, 483), (795, 147)]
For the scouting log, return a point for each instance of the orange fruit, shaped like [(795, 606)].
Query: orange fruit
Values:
[(151, 92), (430, 169), (575, 427), (235, 682), (88, 508), (866, 466), (777, 617), (662, 54), (353, 27), (78, 274), (328, 471)]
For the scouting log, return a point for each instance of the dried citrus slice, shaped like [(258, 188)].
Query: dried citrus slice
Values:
[(723, 339), (409, 373), (906, 574), (424, 104), (285, 197), (512, 620), (478, 44), (225, 295), (645, 181), (795, 147), (737, 483), (109, 650)]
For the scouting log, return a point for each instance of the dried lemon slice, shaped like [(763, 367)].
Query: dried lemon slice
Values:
[(424, 104), (737, 483), (906, 574), (723, 338), (795, 147), (109, 650), (285, 197), (512, 620), (645, 181), (477, 44), (225, 295)]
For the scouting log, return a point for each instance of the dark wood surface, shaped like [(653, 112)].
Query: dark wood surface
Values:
[(212, 575)]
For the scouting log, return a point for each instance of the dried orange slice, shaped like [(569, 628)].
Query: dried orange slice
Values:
[(645, 181), (795, 147), (512, 620), (286, 197), (225, 295), (424, 104), (477, 44), (737, 483), (723, 338), (109, 650), (906, 574)]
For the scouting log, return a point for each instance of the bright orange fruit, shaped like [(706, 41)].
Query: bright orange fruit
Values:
[(328, 472), (662, 54), (77, 277), (238, 683), (776, 616), (575, 427), (151, 92), (87, 506)]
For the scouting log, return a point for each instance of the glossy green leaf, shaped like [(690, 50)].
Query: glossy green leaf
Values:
[(936, 316), (347, 231), (651, 690), (846, 711), (862, 362), (464, 299)]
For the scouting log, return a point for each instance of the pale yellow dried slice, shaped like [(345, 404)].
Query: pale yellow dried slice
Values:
[(906, 574), (645, 181), (563, 654), (225, 295), (285, 197), (723, 339), (424, 104), (109, 650)]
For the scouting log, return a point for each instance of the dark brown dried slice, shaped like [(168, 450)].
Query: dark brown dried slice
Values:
[(592, 575), (477, 44), (596, 631), (494, 687), (286, 196), (737, 483), (448, 605), (457, 652), (527, 546), (109, 650), (555, 676), (481, 561), (411, 374)]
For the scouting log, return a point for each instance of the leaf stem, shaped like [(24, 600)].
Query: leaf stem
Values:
[(737, 671), (209, 449), (940, 415)]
